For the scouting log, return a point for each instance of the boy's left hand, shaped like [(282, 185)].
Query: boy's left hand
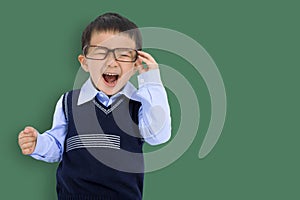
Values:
[(146, 58)]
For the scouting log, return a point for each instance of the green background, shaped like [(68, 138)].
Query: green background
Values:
[(255, 45)]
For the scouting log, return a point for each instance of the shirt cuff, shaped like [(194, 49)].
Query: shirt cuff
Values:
[(39, 146), (151, 76)]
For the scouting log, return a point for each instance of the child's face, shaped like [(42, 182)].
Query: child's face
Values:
[(109, 75)]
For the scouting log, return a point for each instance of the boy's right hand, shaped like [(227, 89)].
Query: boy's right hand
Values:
[(27, 140)]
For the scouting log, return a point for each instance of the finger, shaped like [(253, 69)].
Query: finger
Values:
[(29, 129), (22, 144), (138, 62), (146, 55), (145, 60), (23, 135), (149, 63), (27, 145), (27, 151), (139, 65), (143, 53), (27, 140), (141, 68)]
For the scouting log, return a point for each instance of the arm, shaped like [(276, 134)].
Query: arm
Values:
[(154, 114), (49, 145)]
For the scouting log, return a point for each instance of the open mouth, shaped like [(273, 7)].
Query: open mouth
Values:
[(110, 79)]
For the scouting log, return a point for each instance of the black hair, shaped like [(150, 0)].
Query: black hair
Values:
[(115, 23)]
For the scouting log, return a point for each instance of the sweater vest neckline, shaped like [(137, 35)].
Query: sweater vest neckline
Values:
[(110, 108)]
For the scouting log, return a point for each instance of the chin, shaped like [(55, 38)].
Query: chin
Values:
[(111, 90)]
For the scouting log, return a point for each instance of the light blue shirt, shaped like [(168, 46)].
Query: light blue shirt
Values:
[(154, 115)]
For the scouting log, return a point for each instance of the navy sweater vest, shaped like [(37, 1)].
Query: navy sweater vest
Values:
[(103, 157)]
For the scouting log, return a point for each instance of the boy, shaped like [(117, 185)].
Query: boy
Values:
[(98, 131)]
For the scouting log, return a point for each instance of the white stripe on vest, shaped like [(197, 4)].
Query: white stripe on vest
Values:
[(93, 141)]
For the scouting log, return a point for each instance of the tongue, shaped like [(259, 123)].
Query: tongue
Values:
[(109, 78)]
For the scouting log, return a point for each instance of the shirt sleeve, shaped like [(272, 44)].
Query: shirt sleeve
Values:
[(50, 144), (154, 114)]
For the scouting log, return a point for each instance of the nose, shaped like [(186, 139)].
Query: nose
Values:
[(110, 60)]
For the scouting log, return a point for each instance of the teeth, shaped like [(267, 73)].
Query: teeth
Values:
[(110, 74)]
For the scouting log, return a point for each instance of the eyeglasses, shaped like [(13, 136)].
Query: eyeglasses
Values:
[(95, 52)]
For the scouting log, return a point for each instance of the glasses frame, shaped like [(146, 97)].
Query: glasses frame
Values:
[(84, 50)]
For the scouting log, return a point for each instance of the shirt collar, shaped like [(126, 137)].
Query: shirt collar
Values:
[(88, 92)]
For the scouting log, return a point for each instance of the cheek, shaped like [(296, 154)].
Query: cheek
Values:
[(127, 68), (95, 67), (95, 72)]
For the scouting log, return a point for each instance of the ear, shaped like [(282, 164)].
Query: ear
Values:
[(83, 62)]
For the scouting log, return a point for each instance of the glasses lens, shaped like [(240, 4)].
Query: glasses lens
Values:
[(98, 53), (125, 55)]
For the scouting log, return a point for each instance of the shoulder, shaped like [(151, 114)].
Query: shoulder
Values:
[(71, 93), (68, 97)]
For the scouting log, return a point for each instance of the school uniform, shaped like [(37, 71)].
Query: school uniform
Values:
[(98, 140)]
